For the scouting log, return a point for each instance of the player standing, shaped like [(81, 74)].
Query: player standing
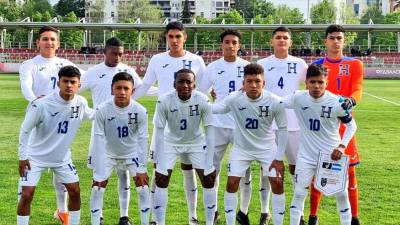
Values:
[(224, 76), (38, 77), (161, 69), (98, 80), (180, 113), (46, 134), (345, 77), (120, 128), (253, 111), (319, 113), (283, 75)]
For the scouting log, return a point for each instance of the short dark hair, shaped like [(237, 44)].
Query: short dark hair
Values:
[(47, 28), (122, 76), (334, 28), (230, 32), (175, 25), (115, 42), (315, 70), (253, 69), (69, 71), (281, 29), (184, 71)]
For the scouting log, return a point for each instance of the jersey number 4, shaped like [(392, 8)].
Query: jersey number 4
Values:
[(280, 83)]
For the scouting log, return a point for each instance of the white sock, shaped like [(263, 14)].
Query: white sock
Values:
[(74, 217), (153, 189), (297, 205), (209, 201), (265, 191), (124, 192), (190, 184), (216, 186), (96, 204), (245, 192), (278, 208), (343, 208), (22, 220), (230, 202), (144, 204), (61, 195), (160, 204), (19, 192)]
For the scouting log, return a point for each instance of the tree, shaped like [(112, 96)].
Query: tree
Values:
[(186, 16), (10, 11), (96, 11), (247, 8), (33, 8), (264, 9), (323, 12), (63, 7), (71, 38), (375, 15)]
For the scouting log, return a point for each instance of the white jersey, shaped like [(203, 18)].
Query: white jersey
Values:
[(319, 123), (224, 77), (183, 118), (54, 123), (283, 77), (99, 78), (39, 76), (253, 118), (162, 68), (125, 130)]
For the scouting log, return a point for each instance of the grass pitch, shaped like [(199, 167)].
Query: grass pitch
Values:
[(378, 180)]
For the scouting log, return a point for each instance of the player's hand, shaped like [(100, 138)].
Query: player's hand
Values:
[(279, 168), (23, 166), (348, 103), (141, 179), (213, 94), (338, 152)]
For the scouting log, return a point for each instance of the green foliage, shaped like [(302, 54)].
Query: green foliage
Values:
[(10, 11), (186, 16), (63, 7), (34, 9), (323, 12), (71, 38)]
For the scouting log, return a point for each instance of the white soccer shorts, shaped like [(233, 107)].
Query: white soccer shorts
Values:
[(194, 155), (102, 173), (240, 160), (65, 174), (292, 147), (222, 140)]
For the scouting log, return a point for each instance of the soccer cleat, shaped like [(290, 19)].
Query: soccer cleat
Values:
[(355, 221), (193, 221), (242, 219), (153, 223), (302, 222), (313, 220), (124, 221), (265, 218), (216, 218), (63, 217), (101, 221)]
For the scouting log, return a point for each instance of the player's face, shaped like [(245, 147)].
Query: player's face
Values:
[(230, 45), (253, 85), (334, 42), (184, 85), (281, 41), (176, 39), (69, 86), (316, 85), (122, 91), (113, 55), (48, 44)]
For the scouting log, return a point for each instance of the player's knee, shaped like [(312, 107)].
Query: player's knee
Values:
[(186, 166), (162, 181), (27, 195), (276, 185), (292, 169), (232, 185), (209, 180), (300, 192), (73, 191), (100, 184)]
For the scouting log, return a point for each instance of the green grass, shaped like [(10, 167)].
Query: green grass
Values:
[(378, 179)]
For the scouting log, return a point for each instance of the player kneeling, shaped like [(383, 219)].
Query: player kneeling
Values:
[(122, 123), (182, 111), (319, 113), (52, 122), (254, 140)]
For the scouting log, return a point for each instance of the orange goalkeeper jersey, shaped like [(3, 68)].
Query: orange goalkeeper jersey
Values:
[(345, 77)]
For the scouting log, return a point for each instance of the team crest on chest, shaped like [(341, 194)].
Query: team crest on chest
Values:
[(344, 69), (326, 111), (74, 112), (263, 111), (194, 110), (132, 118), (187, 64)]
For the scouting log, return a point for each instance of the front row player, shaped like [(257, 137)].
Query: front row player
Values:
[(54, 121), (319, 113), (122, 123), (254, 140), (181, 112)]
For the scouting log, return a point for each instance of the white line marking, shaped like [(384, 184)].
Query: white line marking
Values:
[(375, 111), (380, 98)]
